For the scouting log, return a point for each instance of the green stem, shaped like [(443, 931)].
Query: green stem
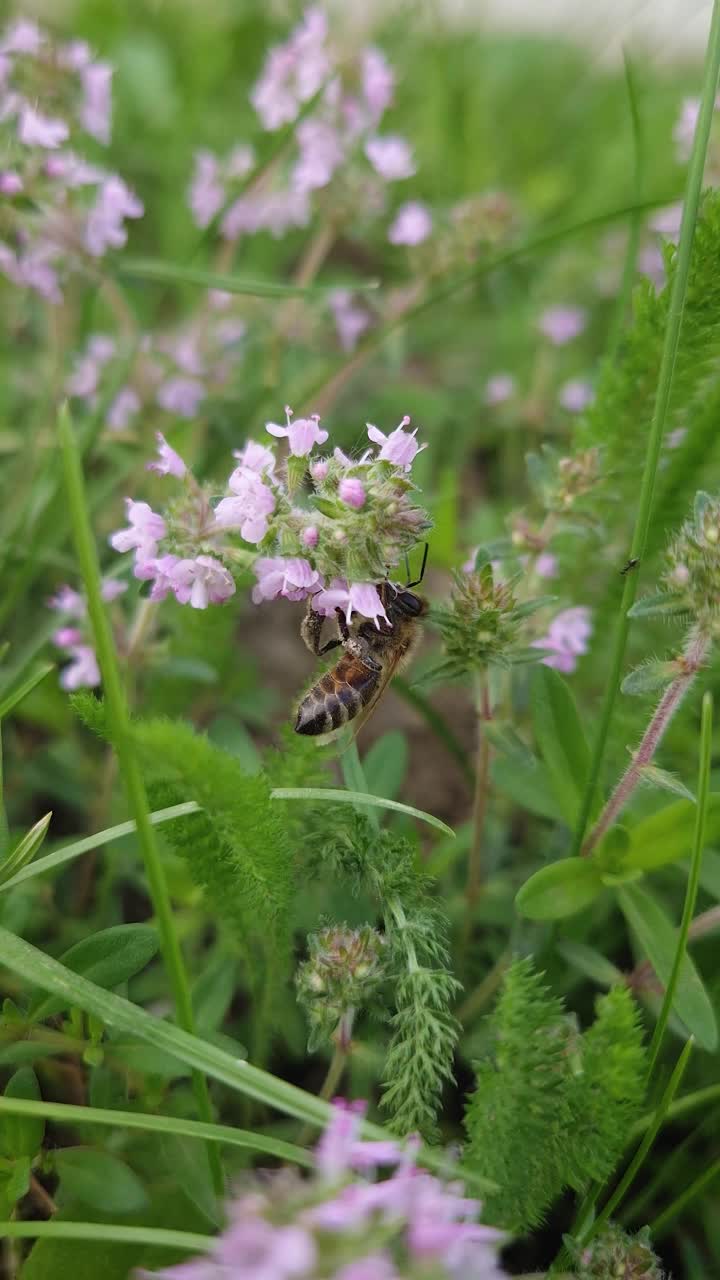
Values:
[(127, 760), (683, 1106), (482, 778), (662, 400), (108, 1233), (658, 1226), (693, 879), (630, 264)]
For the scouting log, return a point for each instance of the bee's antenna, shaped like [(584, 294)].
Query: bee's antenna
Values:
[(417, 581)]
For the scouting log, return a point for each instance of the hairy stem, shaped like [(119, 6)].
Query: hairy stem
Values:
[(482, 779), (662, 400), (692, 659)]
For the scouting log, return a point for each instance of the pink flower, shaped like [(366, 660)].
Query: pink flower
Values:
[(206, 194), (36, 130), (378, 83), (562, 324), (201, 582), (83, 671), (359, 597), (340, 1149), (352, 492), (567, 638), (546, 565), (72, 170), (111, 588), (67, 637), (123, 408), (250, 508), (576, 395), (310, 536), (293, 72), (85, 377), (321, 153), (652, 264), (96, 107), (160, 572), (181, 396), (11, 184), (400, 447), (351, 320), (256, 457), (667, 221), (240, 161), (376, 1266), (319, 470), (294, 578), (390, 156), (302, 434), (22, 36), (412, 225), (67, 600), (273, 211), (144, 531), (499, 388), (169, 462), (104, 228)]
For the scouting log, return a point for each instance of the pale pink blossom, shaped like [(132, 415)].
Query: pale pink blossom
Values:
[(310, 536), (499, 388), (321, 153), (667, 221), (674, 439), (105, 227), (22, 36), (293, 578), (96, 107), (181, 396), (302, 434), (358, 597), (400, 447), (376, 1266), (352, 492), (341, 1150), (85, 377), (145, 529), (546, 565), (576, 395), (123, 409), (72, 170), (566, 638), (240, 161), (11, 184), (206, 194), (201, 581), (37, 130), (412, 224), (67, 600), (250, 507), (351, 319), (256, 457), (390, 156), (293, 72), (378, 83), (83, 671), (65, 637), (111, 588), (562, 324), (169, 463), (685, 127), (319, 470), (273, 211)]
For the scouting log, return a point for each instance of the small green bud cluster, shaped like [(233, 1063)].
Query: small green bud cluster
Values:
[(344, 968), (481, 624), (615, 1255), (693, 560)]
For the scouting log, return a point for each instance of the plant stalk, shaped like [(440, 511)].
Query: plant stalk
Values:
[(480, 801), (690, 663), (128, 762), (657, 427)]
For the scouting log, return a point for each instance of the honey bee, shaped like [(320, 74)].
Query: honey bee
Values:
[(373, 655)]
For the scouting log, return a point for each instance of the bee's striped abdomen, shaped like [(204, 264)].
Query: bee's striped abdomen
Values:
[(337, 697)]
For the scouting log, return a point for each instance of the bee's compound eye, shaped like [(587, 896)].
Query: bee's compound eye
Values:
[(410, 603)]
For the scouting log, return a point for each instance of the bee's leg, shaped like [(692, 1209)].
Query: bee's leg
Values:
[(342, 626), (311, 628)]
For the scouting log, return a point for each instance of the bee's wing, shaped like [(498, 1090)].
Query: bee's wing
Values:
[(390, 668)]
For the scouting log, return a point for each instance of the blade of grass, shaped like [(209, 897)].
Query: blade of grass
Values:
[(109, 1232), (635, 220), (22, 958), (684, 1106), (67, 1113), (15, 696), (363, 798), (176, 273), (693, 879), (708, 1175), (129, 765), (662, 399), (70, 851)]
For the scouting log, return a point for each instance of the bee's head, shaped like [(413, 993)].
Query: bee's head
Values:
[(410, 604)]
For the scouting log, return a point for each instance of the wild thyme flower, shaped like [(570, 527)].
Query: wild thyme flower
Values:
[(60, 210), (346, 1223), (563, 323), (358, 520), (499, 388), (692, 575), (481, 624), (341, 975), (75, 640), (575, 395), (616, 1253), (566, 639), (412, 224)]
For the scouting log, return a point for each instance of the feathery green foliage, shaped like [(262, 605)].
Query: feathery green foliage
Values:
[(551, 1108)]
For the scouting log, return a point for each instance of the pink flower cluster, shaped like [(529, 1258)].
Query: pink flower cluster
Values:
[(83, 668), (566, 639), (190, 551), (348, 1224), (59, 208), (175, 372)]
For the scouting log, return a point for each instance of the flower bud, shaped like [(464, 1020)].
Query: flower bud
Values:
[(352, 492), (341, 974)]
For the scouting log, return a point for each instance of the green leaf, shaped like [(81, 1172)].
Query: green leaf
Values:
[(107, 958), (529, 607), (25, 849), (14, 1181), (653, 776), (191, 1175), (658, 938), (666, 836), (99, 1180), (11, 700), (560, 738), (386, 763), (362, 800), (505, 739), (662, 604), (176, 273), (589, 962), (22, 1135), (528, 786), (561, 889), (649, 677)]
